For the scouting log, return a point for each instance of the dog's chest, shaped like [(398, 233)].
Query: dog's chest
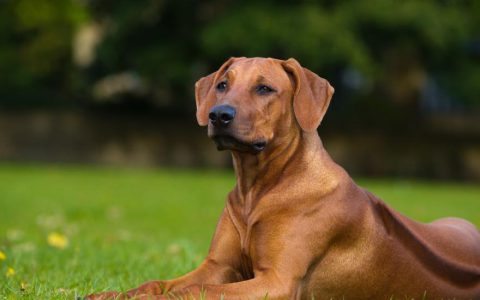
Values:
[(247, 259), (245, 226), (245, 234)]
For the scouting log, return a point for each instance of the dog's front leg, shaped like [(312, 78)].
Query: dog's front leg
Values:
[(209, 272), (268, 286), (221, 266)]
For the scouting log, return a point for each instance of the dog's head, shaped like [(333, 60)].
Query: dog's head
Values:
[(249, 103)]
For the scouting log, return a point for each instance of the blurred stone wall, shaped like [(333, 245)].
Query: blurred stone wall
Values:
[(102, 138), (448, 149)]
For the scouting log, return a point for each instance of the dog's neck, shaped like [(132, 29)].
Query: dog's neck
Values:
[(256, 174)]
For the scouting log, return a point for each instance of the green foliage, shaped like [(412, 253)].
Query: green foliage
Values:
[(36, 47), (352, 33), (125, 227), (310, 33), (170, 44)]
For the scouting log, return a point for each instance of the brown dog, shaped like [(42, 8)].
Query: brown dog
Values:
[(296, 226)]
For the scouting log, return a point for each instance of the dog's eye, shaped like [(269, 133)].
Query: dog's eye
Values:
[(222, 86), (264, 89)]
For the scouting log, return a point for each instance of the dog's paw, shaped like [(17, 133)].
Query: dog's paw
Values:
[(104, 296)]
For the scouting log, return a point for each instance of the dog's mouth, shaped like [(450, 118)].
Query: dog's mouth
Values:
[(228, 142)]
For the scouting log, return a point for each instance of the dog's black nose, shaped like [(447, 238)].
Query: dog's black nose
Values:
[(222, 115)]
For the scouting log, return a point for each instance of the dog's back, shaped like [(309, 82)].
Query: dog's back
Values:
[(446, 252)]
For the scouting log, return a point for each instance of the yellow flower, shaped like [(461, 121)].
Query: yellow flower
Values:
[(2, 256), (10, 272), (57, 240)]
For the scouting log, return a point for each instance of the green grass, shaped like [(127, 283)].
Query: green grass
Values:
[(127, 226)]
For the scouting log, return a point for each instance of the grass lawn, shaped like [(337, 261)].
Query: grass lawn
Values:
[(69, 230)]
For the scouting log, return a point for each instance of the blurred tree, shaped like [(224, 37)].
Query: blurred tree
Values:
[(386, 41), (152, 51), (35, 48)]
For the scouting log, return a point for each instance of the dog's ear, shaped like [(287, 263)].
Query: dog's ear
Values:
[(312, 95), (205, 92)]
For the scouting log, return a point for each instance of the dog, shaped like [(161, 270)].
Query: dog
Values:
[(296, 226)]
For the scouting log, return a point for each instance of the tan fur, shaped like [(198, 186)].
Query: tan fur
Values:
[(296, 226)]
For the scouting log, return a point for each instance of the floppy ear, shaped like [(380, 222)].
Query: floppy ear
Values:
[(311, 97), (205, 92)]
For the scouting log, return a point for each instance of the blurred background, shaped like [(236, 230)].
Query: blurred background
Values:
[(111, 82)]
